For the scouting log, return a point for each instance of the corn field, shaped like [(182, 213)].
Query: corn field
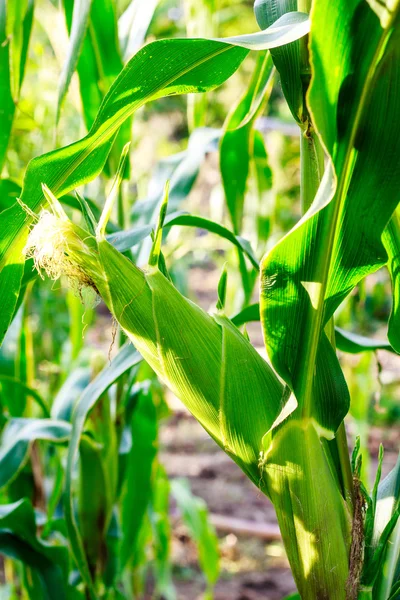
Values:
[(140, 143)]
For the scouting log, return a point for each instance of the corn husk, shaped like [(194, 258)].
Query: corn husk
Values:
[(211, 366), (204, 359)]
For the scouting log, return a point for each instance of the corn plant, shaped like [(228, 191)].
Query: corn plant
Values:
[(282, 423)]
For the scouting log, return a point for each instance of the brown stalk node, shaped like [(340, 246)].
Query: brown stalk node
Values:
[(113, 337), (357, 543)]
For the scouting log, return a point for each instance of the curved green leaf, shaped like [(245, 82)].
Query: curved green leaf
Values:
[(177, 66), (213, 227), (124, 240), (18, 540), (17, 438), (353, 343)]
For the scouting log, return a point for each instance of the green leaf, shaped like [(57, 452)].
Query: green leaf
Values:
[(236, 145), (222, 285), (99, 64), (387, 504), (353, 343), (237, 151), (133, 25), (126, 358), (95, 503), (188, 220), (80, 19), (124, 240), (159, 517), (138, 479), (18, 540), (250, 313), (263, 175), (18, 437), (15, 28), (391, 241), (178, 66), (72, 388), (15, 18), (287, 59)]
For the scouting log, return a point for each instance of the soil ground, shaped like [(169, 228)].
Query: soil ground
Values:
[(251, 569)]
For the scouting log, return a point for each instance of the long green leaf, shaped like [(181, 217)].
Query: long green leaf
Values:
[(80, 19), (354, 343), (391, 241), (126, 358), (177, 66), (19, 435), (15, 29), (236, 146), (133, 25), (287, 59), (99, 63), (138, 480)]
